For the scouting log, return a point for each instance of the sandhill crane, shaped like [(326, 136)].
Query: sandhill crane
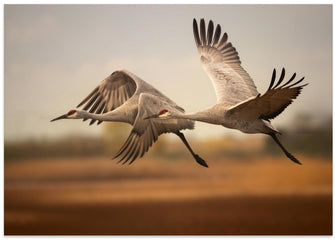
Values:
[(124, 97), (239, 105)]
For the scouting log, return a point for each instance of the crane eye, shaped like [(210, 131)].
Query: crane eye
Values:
[(163, 111), (71, 112)]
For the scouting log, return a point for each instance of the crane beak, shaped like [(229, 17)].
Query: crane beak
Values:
[(60, 117), (152, 116)]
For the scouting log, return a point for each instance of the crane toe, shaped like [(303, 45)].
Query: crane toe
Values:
[(291, 157), (200, 161)]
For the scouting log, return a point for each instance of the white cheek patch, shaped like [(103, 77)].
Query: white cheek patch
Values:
[(164, 115), (72, 116)]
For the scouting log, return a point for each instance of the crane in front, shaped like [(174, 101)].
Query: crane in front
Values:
[(124, 97)]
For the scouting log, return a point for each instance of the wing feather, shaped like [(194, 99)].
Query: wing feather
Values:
[(203, 32), (273, 78), (196, 33), (223, 41), (282, 75), (271, 103), (92, 100), (222, 63), (289, 81), (111, 93), (217, 35), (146, 131), (210, 32), (89, 96)]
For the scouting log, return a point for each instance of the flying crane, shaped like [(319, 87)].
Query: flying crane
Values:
[(239, 105), (124, 97)]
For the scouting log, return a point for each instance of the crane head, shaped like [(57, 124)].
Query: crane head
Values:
[(162, 113), (70, 114)]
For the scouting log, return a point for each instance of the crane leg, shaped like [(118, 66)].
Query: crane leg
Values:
[(196, 156), (289, 155)]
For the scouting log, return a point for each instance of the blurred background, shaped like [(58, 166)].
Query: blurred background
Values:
[(59, 177)]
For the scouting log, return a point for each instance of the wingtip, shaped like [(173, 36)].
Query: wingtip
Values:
[(273, 78)]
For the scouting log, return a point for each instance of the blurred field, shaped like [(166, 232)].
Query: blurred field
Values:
[(155, 196)]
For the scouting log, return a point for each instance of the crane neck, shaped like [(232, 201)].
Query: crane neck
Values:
[(202, 116), (113, 116)]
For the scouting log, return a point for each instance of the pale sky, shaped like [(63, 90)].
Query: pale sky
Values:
[(54, 55)]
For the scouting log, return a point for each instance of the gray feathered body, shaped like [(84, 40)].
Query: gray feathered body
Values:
[(124, 97)]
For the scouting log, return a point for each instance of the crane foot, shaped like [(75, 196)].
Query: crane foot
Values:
[(200, 161)]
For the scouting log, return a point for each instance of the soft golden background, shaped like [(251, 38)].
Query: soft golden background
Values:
[(71, 186), (59, 178)]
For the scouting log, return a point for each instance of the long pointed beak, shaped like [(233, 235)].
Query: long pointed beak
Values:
[(60, 117), (152, 116)]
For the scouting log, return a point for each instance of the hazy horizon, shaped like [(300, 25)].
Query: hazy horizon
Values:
[(54, 55)]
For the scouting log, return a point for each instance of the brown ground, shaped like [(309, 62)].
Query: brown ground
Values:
[(95, 196)]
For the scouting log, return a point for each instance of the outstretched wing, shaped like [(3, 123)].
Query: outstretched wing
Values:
[(221, 62), (272, 102), (112, 92), (146, 131)]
